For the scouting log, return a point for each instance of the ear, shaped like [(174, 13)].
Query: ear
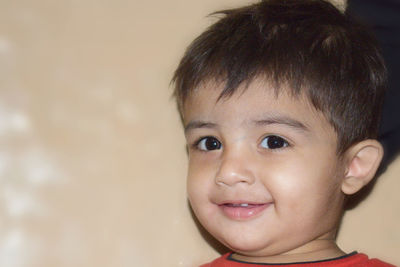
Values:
[(362, 162)]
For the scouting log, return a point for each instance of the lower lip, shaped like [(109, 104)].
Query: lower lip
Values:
[(243, 213)]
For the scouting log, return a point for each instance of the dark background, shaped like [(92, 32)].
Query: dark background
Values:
[(383, 16)]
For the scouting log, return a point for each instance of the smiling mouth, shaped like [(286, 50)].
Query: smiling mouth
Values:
[(242, 211)]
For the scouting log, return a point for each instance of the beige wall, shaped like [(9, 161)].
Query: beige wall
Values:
[(92, 158)]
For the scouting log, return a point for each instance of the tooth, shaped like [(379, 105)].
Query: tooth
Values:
[(239, 205)]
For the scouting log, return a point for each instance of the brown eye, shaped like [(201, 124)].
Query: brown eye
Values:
[(274, 142), (209, 143)]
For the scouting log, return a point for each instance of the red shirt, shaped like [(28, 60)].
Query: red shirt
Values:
[(354, 260)]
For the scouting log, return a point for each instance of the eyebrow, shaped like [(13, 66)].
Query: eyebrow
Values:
[(283, 120), (268, 120), (199, 124)]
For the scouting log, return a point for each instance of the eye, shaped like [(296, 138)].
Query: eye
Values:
[(209, 143), (274, 142)]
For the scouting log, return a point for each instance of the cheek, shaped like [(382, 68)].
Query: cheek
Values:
[(301, 180), (199, 181), (202, 167), (198, 190)]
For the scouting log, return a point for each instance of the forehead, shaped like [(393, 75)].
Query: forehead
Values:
[(252, 103)]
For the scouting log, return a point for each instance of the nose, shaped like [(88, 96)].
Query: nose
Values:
[(235, 168)]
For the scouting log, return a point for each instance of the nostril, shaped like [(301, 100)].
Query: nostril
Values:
[(234, 178), (235, 169)]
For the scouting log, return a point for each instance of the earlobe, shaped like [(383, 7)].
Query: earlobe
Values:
[(362, 162)]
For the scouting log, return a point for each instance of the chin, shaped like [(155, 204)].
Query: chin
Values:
[(257, 248), (246, 246)]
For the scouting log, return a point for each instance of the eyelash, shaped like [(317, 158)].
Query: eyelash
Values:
[(279, 138), (197, 143), (285, 144)]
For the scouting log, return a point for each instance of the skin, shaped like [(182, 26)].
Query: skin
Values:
[(298, 182)]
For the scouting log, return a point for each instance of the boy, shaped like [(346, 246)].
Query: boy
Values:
[(280, 102)]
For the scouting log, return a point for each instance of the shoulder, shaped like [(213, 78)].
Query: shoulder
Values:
[(354, 260), (362, 260), (218, 262), (379, 263), (351, 260)]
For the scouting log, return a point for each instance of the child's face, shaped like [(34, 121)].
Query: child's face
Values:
[(264, 177)]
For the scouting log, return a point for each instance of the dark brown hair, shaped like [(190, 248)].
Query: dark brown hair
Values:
[(307, 47)]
